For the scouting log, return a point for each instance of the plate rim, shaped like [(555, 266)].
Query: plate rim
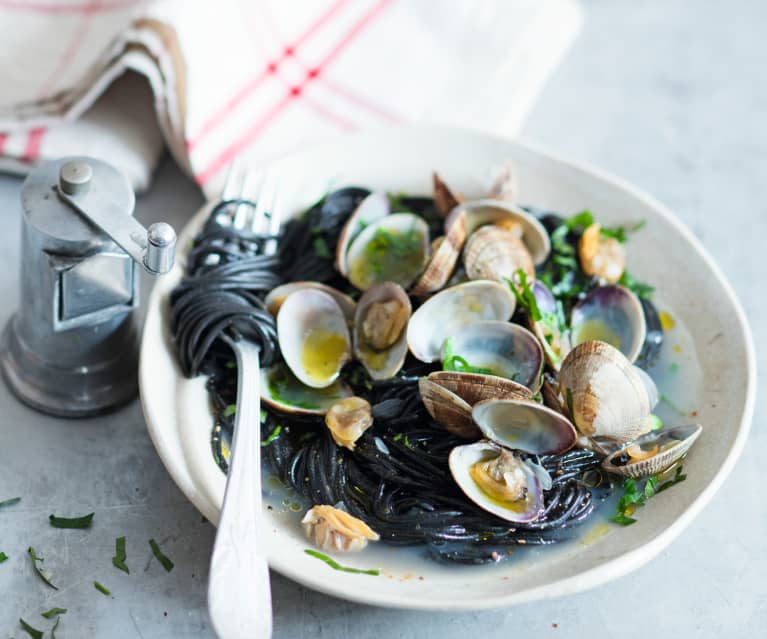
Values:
[(585, 580)]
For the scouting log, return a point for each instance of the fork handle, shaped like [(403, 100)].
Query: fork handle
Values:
[(239, 593)]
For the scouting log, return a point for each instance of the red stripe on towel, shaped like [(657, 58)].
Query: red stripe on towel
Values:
[(51, 7), (270, 68), (32, 149)]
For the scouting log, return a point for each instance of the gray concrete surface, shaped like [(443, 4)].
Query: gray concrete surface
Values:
[(671, 96)]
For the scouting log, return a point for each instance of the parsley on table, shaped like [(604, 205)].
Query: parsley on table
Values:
[(43, 574), (71, 522), (103, 590), (32, 632), (166, 563), (119, 559)]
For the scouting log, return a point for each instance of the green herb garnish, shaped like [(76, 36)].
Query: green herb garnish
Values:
[(397, 203), (336, 566), (119, 559), (43, 574), (32, 632), (71, 522), (453, 362), (54, 612), (10, 502), (166, 563), (639, 288), (53, 630), (230, 410), (657, 422), (621, 233), (673, 367), (320, 247), (634, 496), (3, 557), (399, 436), (274, 435), (525, 296), (583, 219), (101, 588)]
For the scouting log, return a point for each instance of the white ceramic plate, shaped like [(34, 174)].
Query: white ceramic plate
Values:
[(664, 253)]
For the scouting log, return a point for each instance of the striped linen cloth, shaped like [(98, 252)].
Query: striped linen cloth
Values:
[(217, 79)]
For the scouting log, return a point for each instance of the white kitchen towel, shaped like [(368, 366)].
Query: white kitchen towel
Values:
[(218, 79)]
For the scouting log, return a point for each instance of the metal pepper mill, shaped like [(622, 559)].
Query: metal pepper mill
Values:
[(71, 349)]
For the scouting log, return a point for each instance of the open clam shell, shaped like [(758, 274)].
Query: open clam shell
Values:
[(282, 391), (464, 460), (278, 295), (503, 349), (555, 343), (524, 425), (444, 314), (395, 248), (379, 333), (605, 395), (473, 387), (653, 452), (611, 314), (314, 336), (448, 409), (502, 213), (374, 207)]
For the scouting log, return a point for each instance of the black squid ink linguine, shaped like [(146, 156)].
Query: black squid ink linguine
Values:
[(398, 477)]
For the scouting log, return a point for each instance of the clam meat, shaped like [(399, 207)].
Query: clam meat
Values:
[(330, 528)]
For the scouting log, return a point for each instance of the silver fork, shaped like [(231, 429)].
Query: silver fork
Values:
[(239, 593)]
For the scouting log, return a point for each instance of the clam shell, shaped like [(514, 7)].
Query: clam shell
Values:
[(524, 425), (296, 398), (444, 314), (462, 458), (611, 314), (448, 410), (608, 397), (443, 260), (493, 253), (278, 295), (490, 211), (673, 444), (386, 363), (444, 199), (366, 269), (473, 387), (374, 207), (505, 184), (508, 350), (309, 315), (555, 343)]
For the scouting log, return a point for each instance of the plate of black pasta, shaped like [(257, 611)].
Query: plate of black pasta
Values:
[(488, 375)]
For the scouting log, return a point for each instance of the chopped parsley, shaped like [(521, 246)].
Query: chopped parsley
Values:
[(453, 362), (406, 443), (320, 247), (43, 574), (639, 288), (525, 296), (119, 559), (166, 563), (273, 435), (398, 204), (230, 410), (56, 625), (336, 566), (3, 557), (54, 612), (32, 632), (71, 522), (101, 588), (635, 496), (10, 502), (657, 422)]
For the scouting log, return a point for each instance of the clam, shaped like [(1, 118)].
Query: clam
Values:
[(333, 529), (444, 257), (374, 207), (448, 409), (602, 257), (498, 481), (494, 253), (508, 216), (379, 332), (653, 452), (394, 248), (499, 348), (444, 199), (314, 337), (278, 295), (282, 391), (611, 314), (524, 425), (605, 395), (443, 314), (505, 185), (347, 419), (474, 387)]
